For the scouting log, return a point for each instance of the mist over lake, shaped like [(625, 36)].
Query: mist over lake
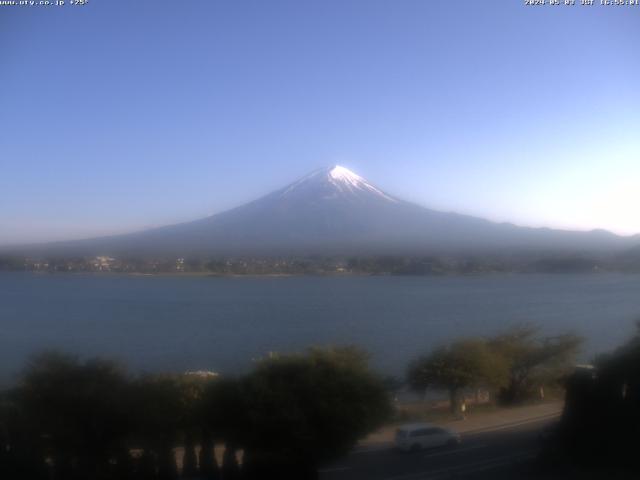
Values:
[(171, 323)]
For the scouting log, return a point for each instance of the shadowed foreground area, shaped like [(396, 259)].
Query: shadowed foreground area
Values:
[(68, 419), (600, 427), (91, 420)]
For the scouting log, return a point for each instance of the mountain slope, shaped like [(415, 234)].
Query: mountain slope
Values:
[(335, 211)]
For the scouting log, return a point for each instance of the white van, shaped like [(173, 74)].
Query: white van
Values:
[(417, 436)]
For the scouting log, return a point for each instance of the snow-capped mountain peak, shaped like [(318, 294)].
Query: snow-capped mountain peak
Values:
[(343, 177), (334, 181), (343, 174)]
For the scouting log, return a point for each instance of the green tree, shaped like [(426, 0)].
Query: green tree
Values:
[(533, 361), (307, 409), (463, 364)]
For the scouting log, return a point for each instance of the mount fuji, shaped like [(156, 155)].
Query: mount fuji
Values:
[(335, 211)]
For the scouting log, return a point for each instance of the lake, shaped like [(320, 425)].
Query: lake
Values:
[(190, 323)]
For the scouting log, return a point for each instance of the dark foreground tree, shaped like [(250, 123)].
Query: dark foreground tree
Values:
[(156, 404), (22, 451), (307, 409), (80, 408), (463, 364), (600, 425), (207, 461), (224, 417), (191, 389), (230, 467)]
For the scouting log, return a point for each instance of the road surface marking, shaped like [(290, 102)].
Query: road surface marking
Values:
[(390, 444)]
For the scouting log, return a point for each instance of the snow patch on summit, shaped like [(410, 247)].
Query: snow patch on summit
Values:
[(343, 180), (341, 176), (345, 175)]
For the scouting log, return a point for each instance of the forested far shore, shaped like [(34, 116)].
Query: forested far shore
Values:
[(322, 265)]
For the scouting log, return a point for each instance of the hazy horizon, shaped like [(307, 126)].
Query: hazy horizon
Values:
[(130, 116)]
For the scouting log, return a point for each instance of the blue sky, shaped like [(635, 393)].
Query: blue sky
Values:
[(128, 114)]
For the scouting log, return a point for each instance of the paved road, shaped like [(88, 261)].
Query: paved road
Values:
[(487, 420), (505, 452)]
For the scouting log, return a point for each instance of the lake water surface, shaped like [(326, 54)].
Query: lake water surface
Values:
[(189, 323)]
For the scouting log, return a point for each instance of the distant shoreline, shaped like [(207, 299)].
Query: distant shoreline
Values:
[(319, 274)]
